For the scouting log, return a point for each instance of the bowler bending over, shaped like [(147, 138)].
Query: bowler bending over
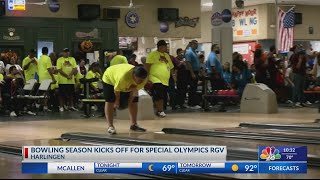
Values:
[(121, 84)]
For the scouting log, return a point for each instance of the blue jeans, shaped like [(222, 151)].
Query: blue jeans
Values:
[(299, 84)]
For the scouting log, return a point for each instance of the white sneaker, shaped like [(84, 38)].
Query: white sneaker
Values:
[(112, 130), (61, 109), (289, 102), (13, 114), (161, 114), (308, 103), (196, 107), (31, 113), (298, 105), (46, 109), (73, 109)]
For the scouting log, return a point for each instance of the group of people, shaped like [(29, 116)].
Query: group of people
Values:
[(290, 75), (168, 79)]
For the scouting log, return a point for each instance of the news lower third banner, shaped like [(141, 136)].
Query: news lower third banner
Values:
[(159, 160), (124, 154)]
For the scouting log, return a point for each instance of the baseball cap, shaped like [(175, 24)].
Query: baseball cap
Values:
[(65, 50), (162, 43)]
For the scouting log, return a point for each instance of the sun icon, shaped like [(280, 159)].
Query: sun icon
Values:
[(270, 154)]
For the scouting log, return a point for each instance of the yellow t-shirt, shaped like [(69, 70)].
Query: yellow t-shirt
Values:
[(56, 85), (31, 71), (44, 64), (160, 69), (66, 65), (120, 76), (118, 59), (1, 77), (92, 75)]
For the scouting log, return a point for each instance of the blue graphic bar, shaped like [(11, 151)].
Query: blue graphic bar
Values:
[(283, 153), (34, 168), (169, 168), (282, 167)]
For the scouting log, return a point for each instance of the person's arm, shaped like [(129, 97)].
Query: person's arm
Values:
[(117, 100), (315, 68), (26, 66), (51, 72), (188, 65)]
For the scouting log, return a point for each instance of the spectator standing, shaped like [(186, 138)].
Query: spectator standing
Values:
[(67, 69), (159, 66), (193, 65)]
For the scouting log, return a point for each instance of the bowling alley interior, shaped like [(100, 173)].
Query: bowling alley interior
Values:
[(235, 75)]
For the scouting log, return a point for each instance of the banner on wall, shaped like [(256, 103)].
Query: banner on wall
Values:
[(245, 22)]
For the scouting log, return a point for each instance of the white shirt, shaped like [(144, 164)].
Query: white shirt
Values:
[(2, 67), (17, 66)]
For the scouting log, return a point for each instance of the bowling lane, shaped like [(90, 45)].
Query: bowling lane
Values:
[(229, 142), (10, 168), (263, 132)]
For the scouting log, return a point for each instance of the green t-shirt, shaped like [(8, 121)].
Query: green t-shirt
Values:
[(66, 65), (161, 66), (31, 71)]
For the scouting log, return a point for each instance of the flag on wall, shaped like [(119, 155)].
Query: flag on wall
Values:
[(285, 29)]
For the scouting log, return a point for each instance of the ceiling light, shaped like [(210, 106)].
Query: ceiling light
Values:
[(208, 4)]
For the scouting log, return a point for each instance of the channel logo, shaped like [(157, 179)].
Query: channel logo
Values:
[(270, 154)]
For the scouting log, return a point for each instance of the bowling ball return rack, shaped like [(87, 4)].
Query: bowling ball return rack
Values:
[(214, 96)]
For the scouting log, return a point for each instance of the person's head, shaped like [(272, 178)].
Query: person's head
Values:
[(302, 54), (45, 51), (240, 57), (13, 70), (82, 63), (235, 68), (215, 48), (201, 57), (143, 60), (194, 44), (180, 53), (235, 56), (53, 57), (139, 74), (13, 60), (162, 46), (295, 49), (273, 49), (32, 53), (66, 52), (226, 66), (133, 57), (95, 67), (257, 53)]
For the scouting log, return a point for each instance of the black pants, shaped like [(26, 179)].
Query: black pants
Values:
[(172, 94), (193, 89)]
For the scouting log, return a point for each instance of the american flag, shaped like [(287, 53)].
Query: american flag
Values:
[(286, 29)]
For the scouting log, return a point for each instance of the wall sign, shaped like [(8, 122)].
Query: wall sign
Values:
[(54, 6), (132, 19), (186, 21), (16, 5), (164, 27), (226, 15), (216, 19), (11, 35), (245, 22), (92, 34)]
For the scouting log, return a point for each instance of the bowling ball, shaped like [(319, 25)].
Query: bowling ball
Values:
[(224, 92), (233, 92)]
